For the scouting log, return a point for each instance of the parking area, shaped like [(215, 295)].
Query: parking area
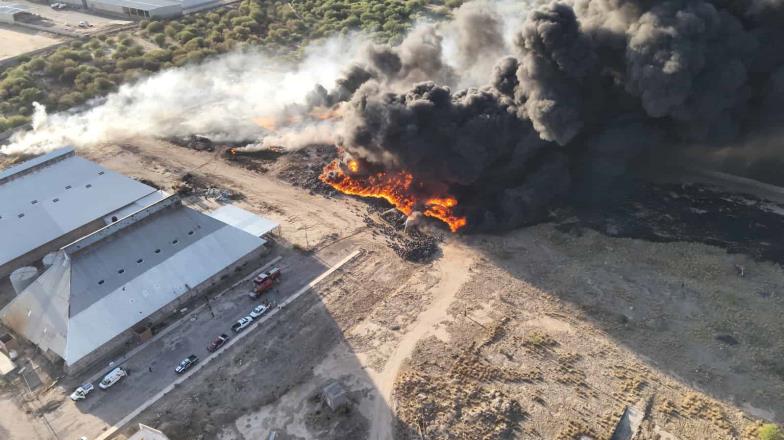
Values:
[(69, 18), (151, 368)]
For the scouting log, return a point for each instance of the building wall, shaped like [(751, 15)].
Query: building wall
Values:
[(122, 342), (34, 257), (139, 12), (7, 18)]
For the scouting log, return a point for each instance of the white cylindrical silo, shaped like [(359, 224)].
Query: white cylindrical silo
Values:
[(23, 277), (48, 260)]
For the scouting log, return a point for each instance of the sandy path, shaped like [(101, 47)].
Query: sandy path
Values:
[(453, 272)]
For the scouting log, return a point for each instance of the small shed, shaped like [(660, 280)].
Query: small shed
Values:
[(7, 366), (335, 396), (8, 13), (147, 433)]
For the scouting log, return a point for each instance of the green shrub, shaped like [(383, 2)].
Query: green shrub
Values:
[(770, 431), (36, 64), (155, 27), (185, 36), (70, 99), (159, 39), (13, 121)]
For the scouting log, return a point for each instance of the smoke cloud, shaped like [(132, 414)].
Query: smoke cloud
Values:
[(223, 99), (590, 86), (507, 112)]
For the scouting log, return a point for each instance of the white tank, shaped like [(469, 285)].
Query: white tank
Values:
[(23, 277), (49, 259)]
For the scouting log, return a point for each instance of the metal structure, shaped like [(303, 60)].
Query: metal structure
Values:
[(9, 12), (23, 277), (57, 194), (101, 286), (245, 220)]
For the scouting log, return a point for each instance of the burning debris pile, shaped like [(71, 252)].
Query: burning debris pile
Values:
[(591, 87), (398, 188)]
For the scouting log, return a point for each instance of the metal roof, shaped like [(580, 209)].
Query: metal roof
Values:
[(52, 195), (145, 5), (12, 9), (107, 282), (245, 220)]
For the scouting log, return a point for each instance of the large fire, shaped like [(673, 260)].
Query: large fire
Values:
[(396, 188)]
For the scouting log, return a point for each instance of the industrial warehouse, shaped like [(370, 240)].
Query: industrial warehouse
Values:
[(106, 288), (54, 199)]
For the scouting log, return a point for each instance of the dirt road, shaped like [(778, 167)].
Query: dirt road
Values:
[(452, 271)]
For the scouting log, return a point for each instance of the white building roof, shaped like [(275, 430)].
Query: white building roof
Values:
[(12, 9), (245, 220), (49, 196), (145, 5), (107, 282), (147, 433)]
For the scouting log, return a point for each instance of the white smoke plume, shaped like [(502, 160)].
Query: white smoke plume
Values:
[(222, 98), (227, 98)]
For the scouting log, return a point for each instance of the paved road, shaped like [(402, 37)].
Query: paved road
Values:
[(103, 409)]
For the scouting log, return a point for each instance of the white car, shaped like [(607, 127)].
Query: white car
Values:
[(112, 378), (258, 311), (241, 324), (82, 392)]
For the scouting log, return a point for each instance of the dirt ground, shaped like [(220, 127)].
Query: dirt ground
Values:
[(546, 332), (17, 41)]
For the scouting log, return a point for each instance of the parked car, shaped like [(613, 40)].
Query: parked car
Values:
[(82, 392), (217, 343), (112, 378), (58, 5), (241, 324), (186, 363), (258, 311)]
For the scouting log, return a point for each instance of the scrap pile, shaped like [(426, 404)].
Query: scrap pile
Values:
[(303, 168), (193, 185), (412, 245), (194, 142)]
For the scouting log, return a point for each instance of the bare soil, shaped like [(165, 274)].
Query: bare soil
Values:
[(546, 332)]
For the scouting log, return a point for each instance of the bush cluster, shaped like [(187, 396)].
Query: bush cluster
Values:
[(73, 74)]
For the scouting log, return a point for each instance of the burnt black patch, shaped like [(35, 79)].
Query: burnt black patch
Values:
[(739, 223)]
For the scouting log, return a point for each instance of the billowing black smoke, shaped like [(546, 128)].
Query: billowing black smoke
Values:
[(593, 86)]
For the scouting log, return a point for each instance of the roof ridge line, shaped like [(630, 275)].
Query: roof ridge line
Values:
[(36, 163), (123, 223)]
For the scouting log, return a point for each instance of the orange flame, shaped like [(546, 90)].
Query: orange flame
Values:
[(395, 188), (273, 123)]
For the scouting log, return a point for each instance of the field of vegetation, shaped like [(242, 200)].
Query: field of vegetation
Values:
[(84, 69)]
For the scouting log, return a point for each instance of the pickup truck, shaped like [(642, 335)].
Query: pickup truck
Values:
[(82, 392), (241, 324), (186, 363), (265, 281)]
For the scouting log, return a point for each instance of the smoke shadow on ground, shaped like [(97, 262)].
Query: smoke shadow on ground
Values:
[(269, 381), (689, 280)]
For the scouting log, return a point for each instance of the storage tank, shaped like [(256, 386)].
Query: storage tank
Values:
[(49, 259), (23, 277)]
